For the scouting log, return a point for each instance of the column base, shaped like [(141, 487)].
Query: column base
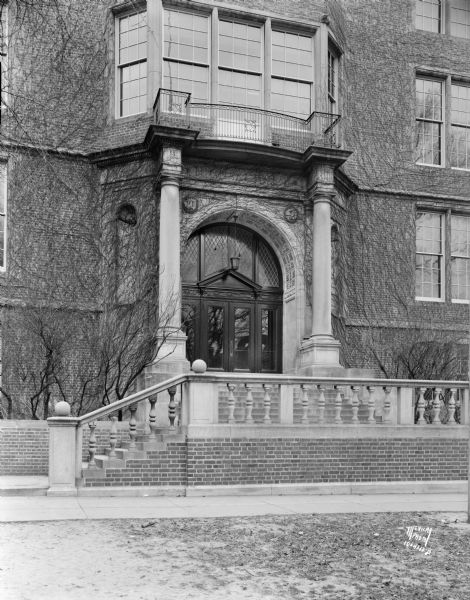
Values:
[(170, 361), (319, 356)]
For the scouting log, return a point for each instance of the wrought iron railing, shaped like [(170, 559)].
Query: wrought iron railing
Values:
[(241, 123)]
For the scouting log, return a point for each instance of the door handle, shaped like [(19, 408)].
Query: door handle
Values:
[(231, 348)]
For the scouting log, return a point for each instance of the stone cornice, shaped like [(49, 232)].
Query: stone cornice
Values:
[(159, 136)]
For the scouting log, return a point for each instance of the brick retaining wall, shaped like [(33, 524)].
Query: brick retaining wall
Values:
[(24, 448)]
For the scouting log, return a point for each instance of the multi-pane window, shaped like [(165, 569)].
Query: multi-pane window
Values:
[(428, 15), (292, 73), (460, 257), (186, 54), (429, 117), (460, 126), (3, 214), (240, 64), (132, 63), (460, 18), (442, 246), (3, 53), (429, 255), (332, 82)]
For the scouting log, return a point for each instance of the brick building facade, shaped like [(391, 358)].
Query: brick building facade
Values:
[(188, 157)]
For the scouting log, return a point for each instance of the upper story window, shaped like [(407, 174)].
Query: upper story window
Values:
[(3, 53), (332, 82), (429, 253), (442, 137), (460, 126), (131, 51), (292, 73), (240, 66), (442, 246), (3, 214), (245, 67), (429, 117), (460, 257), (429, 15), (186, 54), (460, 18)]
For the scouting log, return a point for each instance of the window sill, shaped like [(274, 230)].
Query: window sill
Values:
[(422, 299), (461, 169), (459, 301), (430, 165)]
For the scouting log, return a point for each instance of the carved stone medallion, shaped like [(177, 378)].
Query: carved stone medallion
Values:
[(291, 214)]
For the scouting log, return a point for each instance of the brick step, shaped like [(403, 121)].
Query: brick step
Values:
[(145, 446)]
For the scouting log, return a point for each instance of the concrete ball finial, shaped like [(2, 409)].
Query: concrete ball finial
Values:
[(62, 409), (199, 366)]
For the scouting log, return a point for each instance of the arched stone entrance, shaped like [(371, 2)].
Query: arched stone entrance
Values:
[(232, 299)]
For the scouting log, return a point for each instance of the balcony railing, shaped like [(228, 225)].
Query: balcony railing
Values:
[(241, 123)]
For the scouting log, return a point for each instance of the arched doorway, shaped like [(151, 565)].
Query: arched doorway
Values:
[(232, 300)]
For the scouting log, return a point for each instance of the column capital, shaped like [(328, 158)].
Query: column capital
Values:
[(321, 182), (170, 164)]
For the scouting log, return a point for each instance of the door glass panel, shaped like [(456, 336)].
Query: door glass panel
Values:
[(188, 322), (242, 338), (215, 337), (268, 362)]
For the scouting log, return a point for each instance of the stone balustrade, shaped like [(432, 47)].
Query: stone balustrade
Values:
[(251, 402)]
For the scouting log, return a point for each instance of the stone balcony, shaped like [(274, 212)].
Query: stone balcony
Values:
[(244, 124)]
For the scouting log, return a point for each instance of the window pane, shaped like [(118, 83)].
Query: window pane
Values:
[(429, 248), (240, 46), (429, 233), (292, 56), (429, 99), (428, 143), (215, 250), (268, 362), (291, 97), (460, 18), (428, 15), (215, 337), (460, 278), (243, 89), (192, 79), (460, 236), (242, 338), (132, 37), (186, 36), (133, 89), (428, 276)]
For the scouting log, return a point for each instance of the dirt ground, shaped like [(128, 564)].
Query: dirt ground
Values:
[(360, 556)]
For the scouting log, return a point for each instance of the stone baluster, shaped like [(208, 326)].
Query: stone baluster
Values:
[(249, 404), (231, 402), (304, 419), (436, 407), (338, 406), (421, 406), (387, 417), (92, 446), (321, 404), (172, 407), (113, 437), (355, 404), (451, 407), (132, 427), (371, 405), (267, 403), (153, 417)]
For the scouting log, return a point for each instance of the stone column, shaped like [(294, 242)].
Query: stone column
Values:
[(320, 352), (171, 358)]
